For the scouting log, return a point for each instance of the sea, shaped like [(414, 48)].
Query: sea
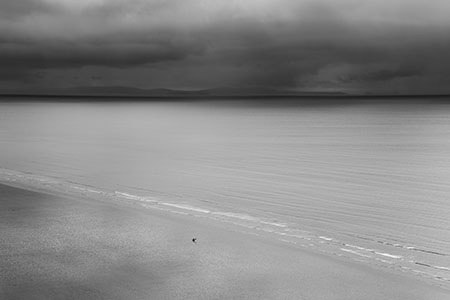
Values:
[(362, 180)]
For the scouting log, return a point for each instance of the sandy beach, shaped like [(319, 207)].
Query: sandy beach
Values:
[(53, 247)]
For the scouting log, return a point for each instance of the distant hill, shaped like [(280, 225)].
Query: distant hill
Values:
[(262, 91), (120, 91)]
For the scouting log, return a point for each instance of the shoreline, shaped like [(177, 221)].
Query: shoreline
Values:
[(68, 235), (268, 230)]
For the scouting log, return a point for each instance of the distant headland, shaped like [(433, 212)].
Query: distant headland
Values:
[(112, 92)]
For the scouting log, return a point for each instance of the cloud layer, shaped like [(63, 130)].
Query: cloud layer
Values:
[(345, 45)]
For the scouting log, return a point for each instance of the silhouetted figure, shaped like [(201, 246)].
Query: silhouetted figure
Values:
[(194, 240)]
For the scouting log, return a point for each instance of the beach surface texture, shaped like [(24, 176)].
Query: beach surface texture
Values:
[(55, 247)]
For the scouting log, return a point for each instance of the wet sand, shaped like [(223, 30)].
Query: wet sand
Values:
[(52, 247)]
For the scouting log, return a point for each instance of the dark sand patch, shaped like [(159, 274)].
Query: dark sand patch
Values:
[(53, 247)]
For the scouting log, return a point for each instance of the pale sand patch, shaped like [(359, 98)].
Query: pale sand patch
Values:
[(53, 247)]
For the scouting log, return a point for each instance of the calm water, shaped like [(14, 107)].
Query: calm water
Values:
[(366, 182)]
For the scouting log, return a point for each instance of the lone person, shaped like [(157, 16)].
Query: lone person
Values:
[(194, 240)]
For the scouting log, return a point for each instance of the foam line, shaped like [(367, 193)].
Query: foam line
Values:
[(355, 252), (186, 207)]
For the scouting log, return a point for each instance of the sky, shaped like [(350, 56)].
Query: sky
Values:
[(398, 46)]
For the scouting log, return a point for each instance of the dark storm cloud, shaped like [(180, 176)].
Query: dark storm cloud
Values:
[(72, 55), (385, 74), (342, 54), (257, 42), (20, 61)]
